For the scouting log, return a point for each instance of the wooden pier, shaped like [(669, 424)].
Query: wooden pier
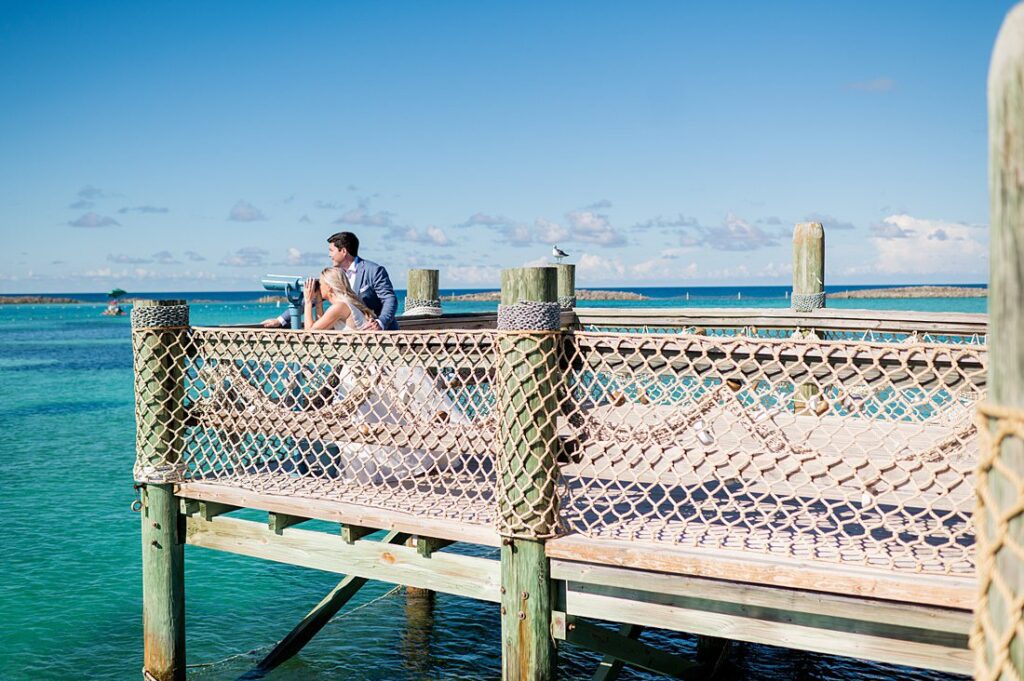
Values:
[(807, 478)]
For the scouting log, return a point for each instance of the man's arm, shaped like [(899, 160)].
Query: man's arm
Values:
[(388, 300), (282, 322)]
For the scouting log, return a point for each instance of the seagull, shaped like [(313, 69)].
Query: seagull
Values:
[(558, 253)]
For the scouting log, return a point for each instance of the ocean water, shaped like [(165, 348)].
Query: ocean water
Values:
[(70, 600)]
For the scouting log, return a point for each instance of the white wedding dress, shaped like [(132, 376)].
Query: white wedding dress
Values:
[(403, 396)]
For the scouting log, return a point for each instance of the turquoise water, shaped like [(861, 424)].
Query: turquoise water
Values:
[(70, 603)]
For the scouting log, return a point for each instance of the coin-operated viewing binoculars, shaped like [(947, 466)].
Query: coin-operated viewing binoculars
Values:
[(292, 287)]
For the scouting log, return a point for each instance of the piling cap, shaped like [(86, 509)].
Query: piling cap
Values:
[(809, 230)]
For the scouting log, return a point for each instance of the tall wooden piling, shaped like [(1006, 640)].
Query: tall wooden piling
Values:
[(527, 468), (566, 285), (808, 292), (808, 267), (998, 634), (158, 331), (423, 296)]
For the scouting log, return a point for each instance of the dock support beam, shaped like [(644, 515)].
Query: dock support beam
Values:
[(998, 634), (527, 376), (158, 332), (423, 294)]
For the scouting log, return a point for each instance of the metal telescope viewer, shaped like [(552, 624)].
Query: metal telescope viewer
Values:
[(292, 287)]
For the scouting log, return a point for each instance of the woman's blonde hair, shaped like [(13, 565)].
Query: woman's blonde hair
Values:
[(336, 279)]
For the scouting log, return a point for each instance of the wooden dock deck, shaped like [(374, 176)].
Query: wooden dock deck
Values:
[(697, 483)]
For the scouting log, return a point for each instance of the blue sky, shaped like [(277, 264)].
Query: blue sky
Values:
[(197, 146)]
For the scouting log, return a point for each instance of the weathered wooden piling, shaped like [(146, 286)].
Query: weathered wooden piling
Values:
[(566, 285), (159, 356), (998, 633), (423, 297), (527, 376), (808, 291), (808, 267)]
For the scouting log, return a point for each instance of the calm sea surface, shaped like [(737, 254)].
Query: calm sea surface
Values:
[(70, 604)]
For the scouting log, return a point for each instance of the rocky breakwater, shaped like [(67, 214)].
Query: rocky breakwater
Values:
[(36, 300), (581, 294), (914, 292)]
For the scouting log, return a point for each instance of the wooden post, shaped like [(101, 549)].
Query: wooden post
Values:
[(527, 471), (808, 267), (808, 291), (998, 634), (423, 294), (159, 354), (415, 596), (566, 285)]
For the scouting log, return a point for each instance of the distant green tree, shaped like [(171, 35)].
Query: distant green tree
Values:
[(117, 293)]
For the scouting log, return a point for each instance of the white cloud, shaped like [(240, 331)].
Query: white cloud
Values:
[(437, 236), (143, 209), (297, 258), (914, 246), (590, 227), (474, 275), (91, 220), (829, 222), (165, 258), (550, 232), (243, 211), (736, 234), (249, 256), (364, 218), (125, 259)]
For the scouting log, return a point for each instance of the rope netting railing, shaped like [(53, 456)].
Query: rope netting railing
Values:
[(797, 332), (847, 452), (397, 421), (998, 633), (825, 450)]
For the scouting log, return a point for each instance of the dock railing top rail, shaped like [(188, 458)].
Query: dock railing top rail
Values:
[(842, 451), (833, 324)]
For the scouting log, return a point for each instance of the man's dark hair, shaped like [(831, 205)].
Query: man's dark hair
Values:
[(346, 240)]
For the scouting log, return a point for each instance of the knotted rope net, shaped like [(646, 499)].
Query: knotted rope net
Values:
[(399, 421), (998, 633), (842, 451)]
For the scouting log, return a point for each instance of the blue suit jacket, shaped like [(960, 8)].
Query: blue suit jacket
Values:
[(373, 286)]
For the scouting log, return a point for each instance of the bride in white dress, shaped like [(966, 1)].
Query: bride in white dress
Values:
[(407, 392)]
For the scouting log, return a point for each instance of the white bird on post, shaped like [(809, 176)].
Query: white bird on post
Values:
[(558, 254)]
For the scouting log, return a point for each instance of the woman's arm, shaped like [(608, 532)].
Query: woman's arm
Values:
[(311, 301), (336, 312)]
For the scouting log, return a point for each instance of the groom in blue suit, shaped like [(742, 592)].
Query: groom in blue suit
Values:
[(369, 280)]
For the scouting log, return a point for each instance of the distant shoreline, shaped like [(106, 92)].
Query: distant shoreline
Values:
[(491, 296), (581, 294), (37, 300), (912, 292)]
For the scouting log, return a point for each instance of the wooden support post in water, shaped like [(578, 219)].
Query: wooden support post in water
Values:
[(998, 634), (527, 373), (566, 285), (423, 297), (159, 357), (415, 596), (808, 291)]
